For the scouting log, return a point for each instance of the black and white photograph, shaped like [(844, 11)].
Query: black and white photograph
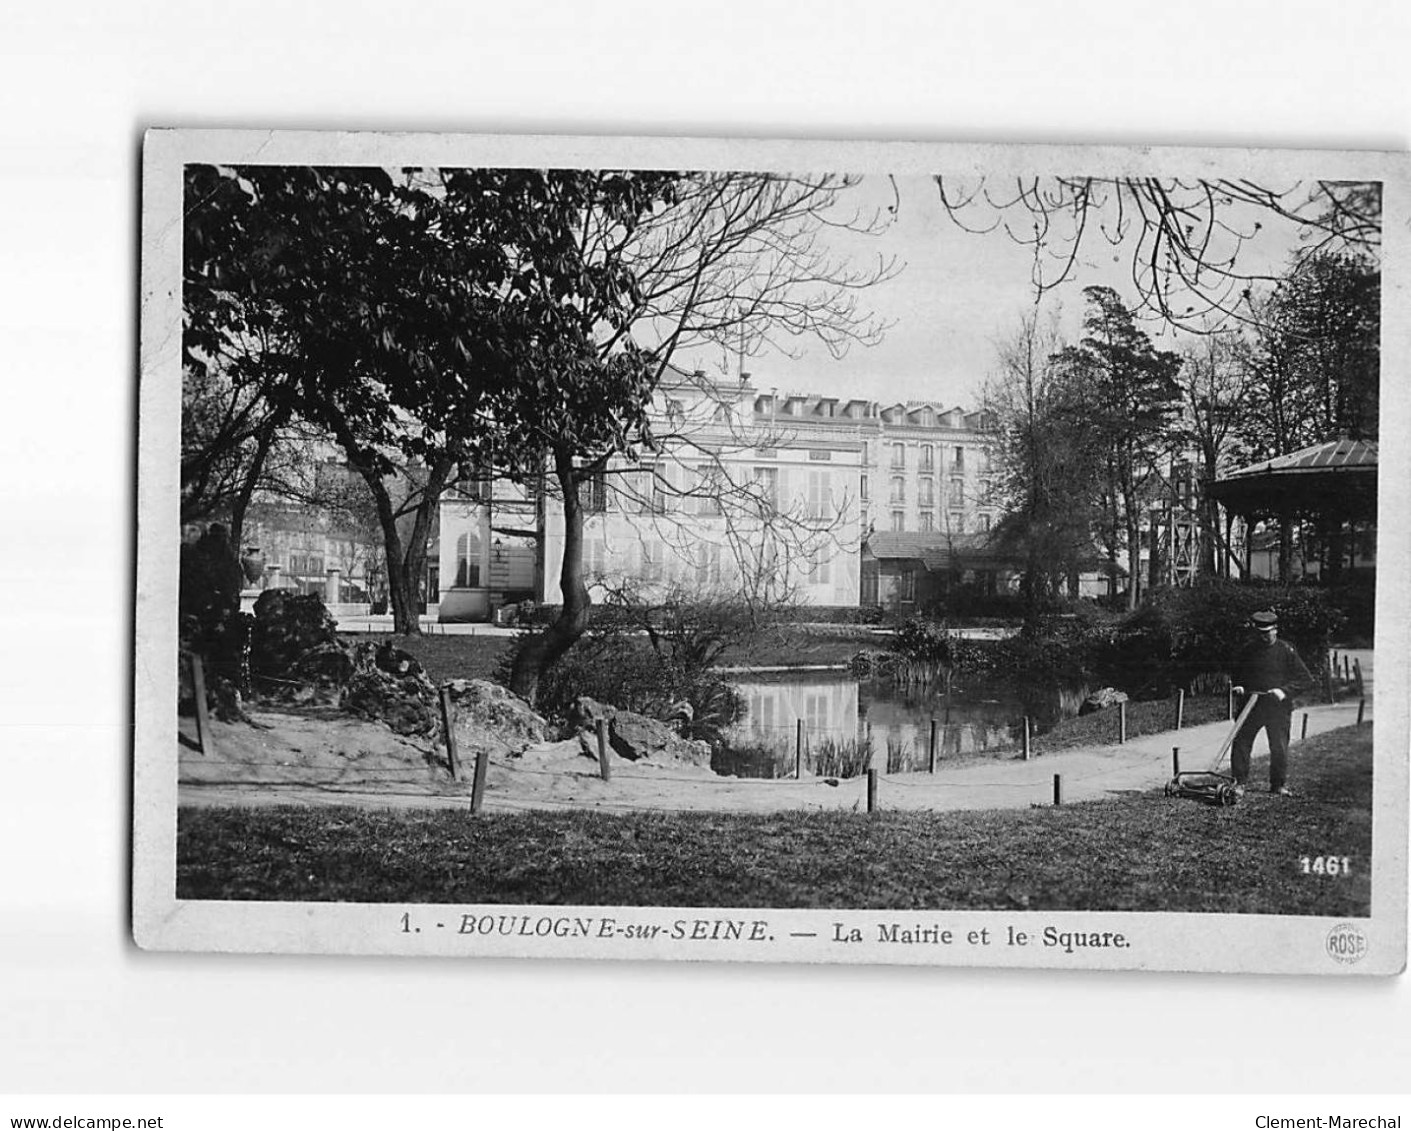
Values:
[(960, 555)]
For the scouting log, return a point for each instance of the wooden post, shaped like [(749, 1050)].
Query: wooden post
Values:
[(603, 768), (798, 749), (1175, 761), (1058, 789), (1304, 733), (1026, 742), (1357, 677), (1230, 697), (1361, 710), (872, 791), (448, 724), (1122, 721), (477, 788), (1346, 669), (933, 745), (1328, 687), (1180, 706), (204, 739)]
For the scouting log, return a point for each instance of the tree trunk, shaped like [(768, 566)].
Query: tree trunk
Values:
[(540, 652), (240, 505)]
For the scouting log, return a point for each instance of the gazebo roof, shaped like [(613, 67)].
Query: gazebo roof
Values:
[(1337, 477)]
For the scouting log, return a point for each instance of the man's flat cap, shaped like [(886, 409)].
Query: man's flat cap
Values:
[(1264, 620)]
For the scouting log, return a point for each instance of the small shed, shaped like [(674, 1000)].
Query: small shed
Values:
[(911, 570)]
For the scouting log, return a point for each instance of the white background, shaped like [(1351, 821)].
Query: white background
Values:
[(80, 1009)]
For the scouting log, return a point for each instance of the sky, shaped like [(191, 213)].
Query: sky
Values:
[(957, 293)]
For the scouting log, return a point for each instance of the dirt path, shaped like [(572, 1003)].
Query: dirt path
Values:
[(303, 761)]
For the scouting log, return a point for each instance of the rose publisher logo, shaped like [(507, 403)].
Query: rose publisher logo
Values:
[(1346, 943)]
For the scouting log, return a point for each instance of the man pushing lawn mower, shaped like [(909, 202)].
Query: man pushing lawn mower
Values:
[(1271, 670)]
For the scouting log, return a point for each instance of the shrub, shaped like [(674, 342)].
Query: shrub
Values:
[(1179, 635), (625, 671)]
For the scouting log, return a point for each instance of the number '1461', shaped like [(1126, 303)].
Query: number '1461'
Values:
[(1325, 865)]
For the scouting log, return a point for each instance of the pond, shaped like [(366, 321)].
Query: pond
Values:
[(840, 713)]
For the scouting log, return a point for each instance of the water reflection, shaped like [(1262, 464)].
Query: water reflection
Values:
[(976, 716)]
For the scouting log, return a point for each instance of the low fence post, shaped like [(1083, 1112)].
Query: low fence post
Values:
[(1346, 669), (1180, 706), (448, 724), (798, 751), (1025, 739), (933, 745), (872, 791), (1122, 721), (1357, 677), (1058, 789), (1230, 699), (477, 789), (204, 739), (603, 768), (1175, 761), (1304, 732), (1361, 710)]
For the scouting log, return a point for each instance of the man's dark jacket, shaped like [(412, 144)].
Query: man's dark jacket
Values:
[(1267, 666)]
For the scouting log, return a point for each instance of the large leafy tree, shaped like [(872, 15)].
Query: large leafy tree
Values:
[(1317, 362), (1044, 450), (428, 319), (1130, 395)]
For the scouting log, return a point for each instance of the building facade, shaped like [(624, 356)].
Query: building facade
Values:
[(774, 494)]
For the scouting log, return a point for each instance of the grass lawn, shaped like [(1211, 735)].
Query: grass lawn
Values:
[(1143, 852)]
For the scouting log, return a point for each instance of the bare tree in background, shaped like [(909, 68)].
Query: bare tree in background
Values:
[(1183, 237), (1215, 381), (736, 261)]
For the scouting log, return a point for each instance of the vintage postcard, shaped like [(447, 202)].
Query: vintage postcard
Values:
[(772, 551)]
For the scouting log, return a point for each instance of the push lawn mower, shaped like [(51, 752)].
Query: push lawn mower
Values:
[(1211, 786)]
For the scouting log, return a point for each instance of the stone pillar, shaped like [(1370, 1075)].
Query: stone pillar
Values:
[(332, 588), (272, 577)]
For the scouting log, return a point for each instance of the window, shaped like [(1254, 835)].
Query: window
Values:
[(708, 564), (899, 456), (767, 486), (957, 522), (926, 495), (898, 489), (818, 495), (908, 584), (708, 490), (928, 522), (816, 713), (467, 561), (593, 494), (898, 521), (821, 572), (957, 492), (864, 489), (984, 522), (663, 493), (959, 458), (928, 457)]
